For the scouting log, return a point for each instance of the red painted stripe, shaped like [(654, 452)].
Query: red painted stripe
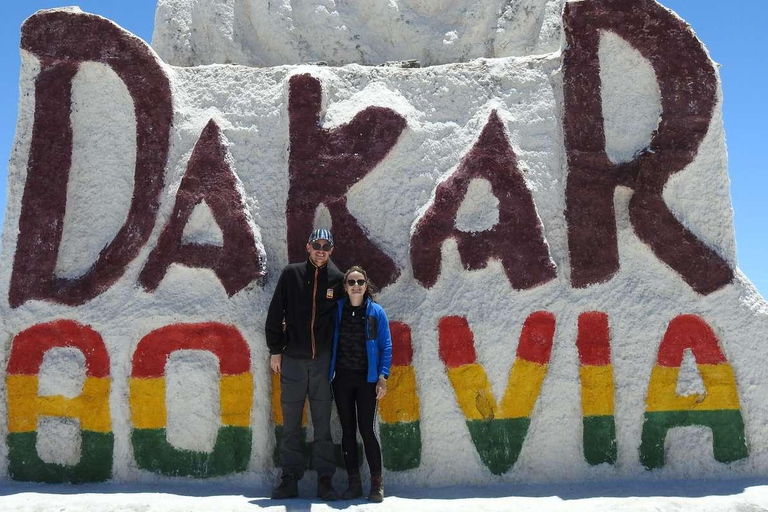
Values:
[(594, 339), (457, 345), (689, 331), (536, 338), (224, 341), (30, 345), (402, 347)]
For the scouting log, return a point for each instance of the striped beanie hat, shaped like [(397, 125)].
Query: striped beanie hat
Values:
[(321, 234)]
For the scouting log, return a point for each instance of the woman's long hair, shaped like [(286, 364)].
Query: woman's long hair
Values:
[(370, 290)]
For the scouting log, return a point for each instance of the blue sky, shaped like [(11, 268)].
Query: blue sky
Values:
[(734, 33)]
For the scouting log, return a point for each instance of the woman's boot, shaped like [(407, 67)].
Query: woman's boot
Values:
[(377, 488), (354, 488)]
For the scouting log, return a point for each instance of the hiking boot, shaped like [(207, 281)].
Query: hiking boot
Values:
[(288, 487), (377, 488), (325, 490), (354, 488)]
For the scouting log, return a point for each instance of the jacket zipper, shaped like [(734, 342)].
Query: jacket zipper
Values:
[(314, 307)]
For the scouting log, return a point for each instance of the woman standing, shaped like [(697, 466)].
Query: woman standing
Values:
[(362, 354)]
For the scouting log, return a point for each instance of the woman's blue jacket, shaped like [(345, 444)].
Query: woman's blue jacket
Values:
[(378, 342)]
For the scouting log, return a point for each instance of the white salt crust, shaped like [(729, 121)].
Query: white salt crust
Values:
[(59, 440), (631, 115), (62, 372), (689, 381), (101, 177), (192, 400), (272, 33), (202, 228), (446, 108), (479, 211)]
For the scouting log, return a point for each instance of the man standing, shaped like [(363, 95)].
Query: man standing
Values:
[(299, 333)]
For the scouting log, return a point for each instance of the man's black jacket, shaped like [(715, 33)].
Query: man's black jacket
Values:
[(293, 304)]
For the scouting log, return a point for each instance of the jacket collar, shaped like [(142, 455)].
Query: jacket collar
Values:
[(345, 301), (311, 264)]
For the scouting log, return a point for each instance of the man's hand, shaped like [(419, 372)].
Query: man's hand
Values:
[(276, 362), (381, 388)]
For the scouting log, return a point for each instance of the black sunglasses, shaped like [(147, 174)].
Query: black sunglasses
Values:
[(318, 246), (351, 282)]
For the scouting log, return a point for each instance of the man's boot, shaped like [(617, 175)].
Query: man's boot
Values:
[(377, 488), (325, 490), (287, 488), (354, 488)]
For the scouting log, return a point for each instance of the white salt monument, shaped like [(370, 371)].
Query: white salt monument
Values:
[(539, 188)]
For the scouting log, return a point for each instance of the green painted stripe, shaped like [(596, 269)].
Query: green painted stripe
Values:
[(599, 439), (498, 442), (727, 425), (95, 464), (230, 454), (400, 445)]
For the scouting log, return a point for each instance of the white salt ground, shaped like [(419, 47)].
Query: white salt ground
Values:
[(747, 495)]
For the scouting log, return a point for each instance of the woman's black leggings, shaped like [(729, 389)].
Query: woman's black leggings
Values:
[(356, 403)]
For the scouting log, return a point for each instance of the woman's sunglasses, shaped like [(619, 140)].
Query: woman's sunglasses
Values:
[(351, 282), (318, 246)]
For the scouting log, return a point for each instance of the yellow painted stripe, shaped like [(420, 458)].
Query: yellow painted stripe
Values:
[(236, 395), (401, 403), (94, 401), (22, 403), (277, 410), (718, 379), (523, 388), (597, 390), (147, 403), (91, 407), (475, 397), (473, 392)]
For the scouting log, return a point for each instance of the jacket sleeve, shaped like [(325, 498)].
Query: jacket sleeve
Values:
[(275, 316), (384, 343)]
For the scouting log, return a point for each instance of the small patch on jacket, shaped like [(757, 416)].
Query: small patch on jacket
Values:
[(329, 293), (373, 327)]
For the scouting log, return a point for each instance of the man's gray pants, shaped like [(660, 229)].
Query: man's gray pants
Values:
[(300, 378)]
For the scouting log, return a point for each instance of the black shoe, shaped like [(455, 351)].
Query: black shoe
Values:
[(325, 489), (377, 489), (354, 489), (288, 488)]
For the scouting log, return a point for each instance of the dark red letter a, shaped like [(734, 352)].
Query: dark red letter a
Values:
[(517, 239), (208, 178)]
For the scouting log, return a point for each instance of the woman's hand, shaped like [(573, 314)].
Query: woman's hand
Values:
[(381, 388)]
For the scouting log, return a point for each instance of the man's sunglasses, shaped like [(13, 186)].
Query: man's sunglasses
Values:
[(351, 282), (318, 246)]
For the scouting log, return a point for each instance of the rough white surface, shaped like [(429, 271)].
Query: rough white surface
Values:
[(61, 373), (101, 177), (269, 33), (689, 381), (201, 227), (614, 496), (445, 107), (479, 211), (631, 114), (59, 440), (192, 400)]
